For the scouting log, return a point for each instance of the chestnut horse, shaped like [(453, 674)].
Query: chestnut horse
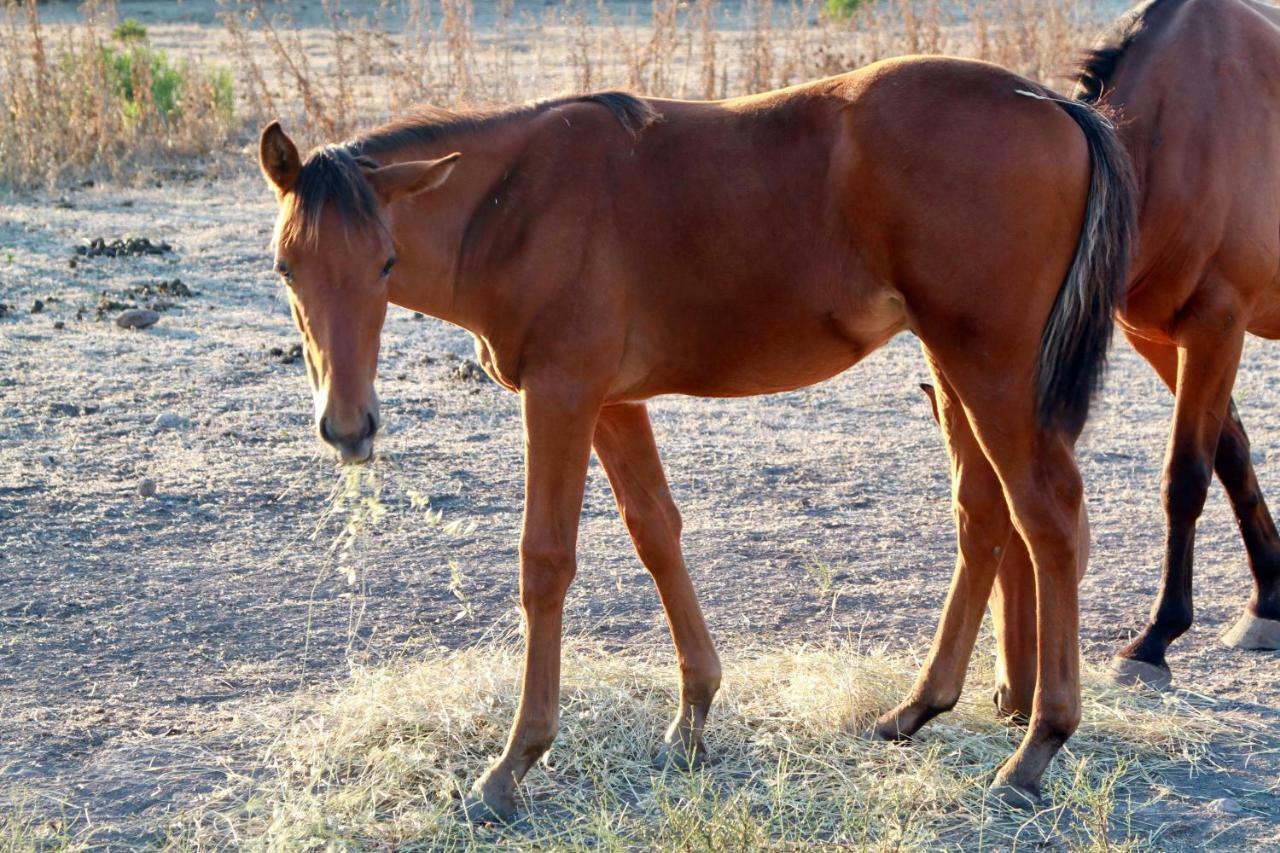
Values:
[(1195, 85), (605, 249)]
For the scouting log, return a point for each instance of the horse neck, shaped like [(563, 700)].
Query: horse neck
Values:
[(429, 229)]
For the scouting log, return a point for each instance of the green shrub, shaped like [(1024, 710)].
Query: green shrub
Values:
[(142, 77), (129, 30), (845, 8)]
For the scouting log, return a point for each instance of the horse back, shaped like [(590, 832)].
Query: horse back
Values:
[(1198, 95)]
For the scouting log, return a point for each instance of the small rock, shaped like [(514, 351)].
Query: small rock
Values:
[(59, 325), (146, 488), (1225, 805), (469, 371), (137, 318), (37, 306), (64, 410), (418, 315), (169, 420), (71, 262), (5, 309)]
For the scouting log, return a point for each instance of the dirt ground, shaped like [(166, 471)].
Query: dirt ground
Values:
[(131, 626)]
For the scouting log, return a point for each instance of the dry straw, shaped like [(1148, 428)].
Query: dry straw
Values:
[(380, 762)]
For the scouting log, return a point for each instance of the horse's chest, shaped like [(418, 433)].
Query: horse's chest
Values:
[(491, 364)]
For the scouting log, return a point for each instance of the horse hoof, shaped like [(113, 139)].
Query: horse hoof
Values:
[(1130, 672), (485, 804), (1254, 633), (1015, 796), (674, 756)]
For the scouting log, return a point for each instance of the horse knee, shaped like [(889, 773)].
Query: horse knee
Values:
[(546, 571)]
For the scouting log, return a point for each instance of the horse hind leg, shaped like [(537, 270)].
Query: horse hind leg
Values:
[(1209, 353), (1259, 626), (983, 529), (1013, 597)]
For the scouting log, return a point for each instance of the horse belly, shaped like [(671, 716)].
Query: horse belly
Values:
[(772, 351)]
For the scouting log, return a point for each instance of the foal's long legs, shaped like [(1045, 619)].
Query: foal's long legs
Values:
[(1041, 484), (983, 531), (1013, 599), (558, 431), (1209, 353), (624, 442), (1234, 467)]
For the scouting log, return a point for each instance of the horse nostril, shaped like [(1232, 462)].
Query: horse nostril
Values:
[(324, 431), (371, 425)]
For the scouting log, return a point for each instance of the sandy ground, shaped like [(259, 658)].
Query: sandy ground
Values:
[(131, 626)]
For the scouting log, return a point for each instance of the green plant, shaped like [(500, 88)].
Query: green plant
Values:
[(845, 8), (822, 575), (129, 30)]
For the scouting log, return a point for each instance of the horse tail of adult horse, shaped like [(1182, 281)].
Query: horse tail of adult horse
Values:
[(1073, 348)]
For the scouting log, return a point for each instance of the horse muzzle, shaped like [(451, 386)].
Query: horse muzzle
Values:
[(352, 445)]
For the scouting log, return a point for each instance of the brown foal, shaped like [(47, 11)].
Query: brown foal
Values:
[(606, 249)]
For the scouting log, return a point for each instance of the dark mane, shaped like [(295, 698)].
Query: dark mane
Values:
[(1098, 66), (331, 174)]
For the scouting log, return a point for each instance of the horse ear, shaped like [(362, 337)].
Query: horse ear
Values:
[(278, 157), (405, 179), (933, 399)]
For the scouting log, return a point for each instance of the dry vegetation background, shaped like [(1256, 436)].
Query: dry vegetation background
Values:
[(240, 662), (82, 92)]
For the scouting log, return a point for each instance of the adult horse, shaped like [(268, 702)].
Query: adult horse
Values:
[(605, 249), (1195, 85)]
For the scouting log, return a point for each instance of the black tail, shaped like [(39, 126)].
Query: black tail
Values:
[(1073, 349)]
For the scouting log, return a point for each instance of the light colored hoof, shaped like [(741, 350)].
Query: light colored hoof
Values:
[(1253, 633), (1013, 796), (674, 756), (489, 801), (1130, 672)]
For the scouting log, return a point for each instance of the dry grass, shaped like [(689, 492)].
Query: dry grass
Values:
[(380, 762), (96, 98), (703, 49), (66, 83)]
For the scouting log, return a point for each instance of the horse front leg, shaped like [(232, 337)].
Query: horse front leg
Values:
[(558, 431), (1259, 626), (625, 444)]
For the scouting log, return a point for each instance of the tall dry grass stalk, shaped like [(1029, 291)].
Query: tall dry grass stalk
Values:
[(328, 80), (410, 51), (83, 97)]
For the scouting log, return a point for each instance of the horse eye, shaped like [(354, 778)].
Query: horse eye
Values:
[(284, 272), (386, 268)]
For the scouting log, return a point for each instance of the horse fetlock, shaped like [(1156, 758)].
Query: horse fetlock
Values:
[(1012, 705), (908, 718)]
